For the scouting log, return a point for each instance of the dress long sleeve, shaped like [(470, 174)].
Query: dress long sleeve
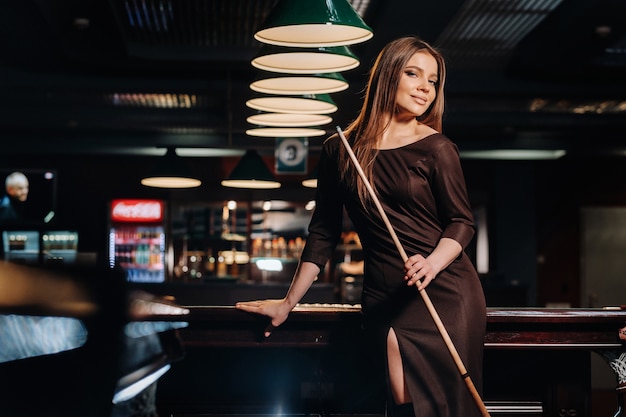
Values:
[(326, 222), (450, 193)]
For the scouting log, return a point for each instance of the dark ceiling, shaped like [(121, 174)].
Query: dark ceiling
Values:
[(128, 76)]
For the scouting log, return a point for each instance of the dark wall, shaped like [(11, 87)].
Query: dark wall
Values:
[(563, 188), (534, 219)]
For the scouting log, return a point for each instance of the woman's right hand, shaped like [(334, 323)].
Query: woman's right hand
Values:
[(276, 310)]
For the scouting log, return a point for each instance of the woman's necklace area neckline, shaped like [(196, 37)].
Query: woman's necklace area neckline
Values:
[(404, 145)]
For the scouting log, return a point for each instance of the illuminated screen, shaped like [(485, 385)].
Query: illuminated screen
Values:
[(28, 197)]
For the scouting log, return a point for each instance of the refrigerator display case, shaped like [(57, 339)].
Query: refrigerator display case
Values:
[(59, 246), (21, 246), (35, 247), (137, 239)]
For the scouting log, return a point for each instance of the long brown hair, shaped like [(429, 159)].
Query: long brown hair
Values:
[(380, 103)]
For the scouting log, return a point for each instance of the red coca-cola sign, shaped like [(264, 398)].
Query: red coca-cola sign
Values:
[(137, 211)]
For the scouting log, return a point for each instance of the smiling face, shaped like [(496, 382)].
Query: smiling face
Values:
[(19, 191), (17, 186), (417, 88)]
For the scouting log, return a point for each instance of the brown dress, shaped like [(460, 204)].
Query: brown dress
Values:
[(422, 190)]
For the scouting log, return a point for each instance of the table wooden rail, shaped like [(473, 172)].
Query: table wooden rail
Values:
[(312, 325)]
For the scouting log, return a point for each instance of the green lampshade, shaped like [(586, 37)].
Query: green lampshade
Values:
[(305, 60), (251, 172), (289, 119), (275, 83), (313, 23), (171, 172), (302, 104)]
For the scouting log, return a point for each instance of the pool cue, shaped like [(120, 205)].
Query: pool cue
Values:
[(425, 297)]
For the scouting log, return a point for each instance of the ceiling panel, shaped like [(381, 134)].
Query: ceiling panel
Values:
[(125, 75)]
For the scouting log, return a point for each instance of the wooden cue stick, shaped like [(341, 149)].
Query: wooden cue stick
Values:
[(425, 297)]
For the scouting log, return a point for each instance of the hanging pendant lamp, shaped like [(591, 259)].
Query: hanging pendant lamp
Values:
[(171, 172), (251, 172), (305, 60), (285, 132), (313, 23), (325, 83), (303, 104), (289, 119)]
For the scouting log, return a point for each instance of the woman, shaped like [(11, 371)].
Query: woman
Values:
[(417, 176)]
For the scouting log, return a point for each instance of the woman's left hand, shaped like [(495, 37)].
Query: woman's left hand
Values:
[(419, 271)]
